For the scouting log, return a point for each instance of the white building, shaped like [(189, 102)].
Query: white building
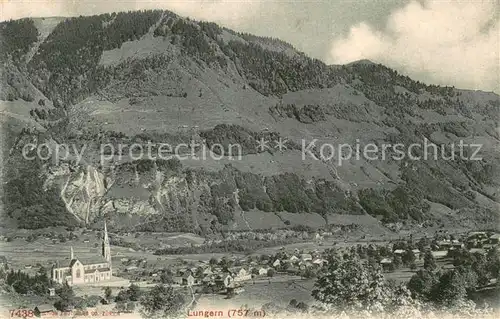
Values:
[(86, 270)]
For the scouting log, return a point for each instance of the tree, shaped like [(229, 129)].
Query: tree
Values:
[(66, 298), (199, 272), (307, 273), (493, 263), (270, 272), (284, 266), (396, 261), (453, 286), (130, 306), (120, 306), (167, 277), (408, 257), (134, 292), (351, 284), (213, 261), (429, 261), (161, 301), (107, 292), (422, 283), (302, 306)]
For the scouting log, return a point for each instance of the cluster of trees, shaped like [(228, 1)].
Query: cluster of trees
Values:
[(39, 285), (242, 246), (127, 26), (283, 192), (25, 284), (304, 114), (447, 287), (162, 301), (353, 283), (126, 299), (232, 134), (397, 204), (47, 114), (26, 199), (16, 38), (66, 64)]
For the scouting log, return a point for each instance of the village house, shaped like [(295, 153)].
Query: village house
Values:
[(456, 244), (52, 292), (276, 263), (305, 264), (305, 257), (294, 259), (494, 239), (3, 261), (207, 279), (187, 279), (263, 271), (319, 262), (399, 252), (224, 280), (416, 253), (386, 263), (242, 275), (444, 244), (44, 310), (177, 280)]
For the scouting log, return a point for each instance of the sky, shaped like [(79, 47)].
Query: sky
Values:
[(447, 42)]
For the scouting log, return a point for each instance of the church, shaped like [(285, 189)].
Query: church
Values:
[(86, 270)]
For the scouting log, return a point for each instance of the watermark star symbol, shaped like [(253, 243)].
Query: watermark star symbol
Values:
[(281, 144), (262, 144)]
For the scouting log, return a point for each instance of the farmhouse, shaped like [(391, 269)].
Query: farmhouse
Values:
[(3, 261), (224, 280), (208, 271), (294, 259), (306, 257), (44, 310), (242, 275), (495, 239), (177, 280), (263, 271), (319, 262), (187, 279), (386, 263), (416, 253)]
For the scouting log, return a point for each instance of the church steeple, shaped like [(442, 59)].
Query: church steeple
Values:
[(106, 248), (72, 255)]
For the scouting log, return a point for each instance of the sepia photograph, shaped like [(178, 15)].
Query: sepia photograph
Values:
[(250, 159)]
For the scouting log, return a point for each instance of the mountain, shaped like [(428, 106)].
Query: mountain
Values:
[(139, 79)]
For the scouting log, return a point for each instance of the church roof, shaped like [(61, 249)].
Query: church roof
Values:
[(72, 262), (93, 260), (86, 261)]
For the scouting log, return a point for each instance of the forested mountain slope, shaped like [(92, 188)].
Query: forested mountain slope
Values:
[(154, 77)]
